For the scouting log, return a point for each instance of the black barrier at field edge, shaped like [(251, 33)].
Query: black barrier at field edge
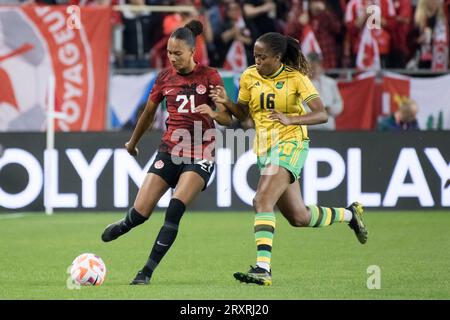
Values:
[(406, 170)]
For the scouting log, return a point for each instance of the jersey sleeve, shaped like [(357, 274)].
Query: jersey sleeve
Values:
[(156, 95), (244, 92), (306, 89), (215, 79)]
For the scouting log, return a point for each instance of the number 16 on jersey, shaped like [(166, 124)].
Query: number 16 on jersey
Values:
[(267, 103)]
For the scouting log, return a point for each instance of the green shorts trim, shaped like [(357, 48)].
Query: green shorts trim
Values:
[(290, 155)]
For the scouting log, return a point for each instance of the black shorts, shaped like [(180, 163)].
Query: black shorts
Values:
[(171, 169)]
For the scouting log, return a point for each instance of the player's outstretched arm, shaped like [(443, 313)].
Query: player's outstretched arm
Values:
[(224, 116), (221, 115), (146, 118), (219, 96)]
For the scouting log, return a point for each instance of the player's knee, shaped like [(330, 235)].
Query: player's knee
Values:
[(262, 203), (175, 211), (142, 209), (298, 222), (295, 222), (257, 202), (300, 218)]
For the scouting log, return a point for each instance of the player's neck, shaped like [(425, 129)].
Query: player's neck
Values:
[(188, 69), (276, 71)]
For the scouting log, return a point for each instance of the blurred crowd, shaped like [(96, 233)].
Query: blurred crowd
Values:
[(409, 33)]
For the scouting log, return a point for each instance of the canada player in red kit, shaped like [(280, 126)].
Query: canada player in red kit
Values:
[(185, 157), (183, 93)]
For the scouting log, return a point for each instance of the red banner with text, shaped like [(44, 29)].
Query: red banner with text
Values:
[(69, 43)]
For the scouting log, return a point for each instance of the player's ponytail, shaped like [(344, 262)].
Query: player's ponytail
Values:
[(189, 32), (294, 57), (289, 50)]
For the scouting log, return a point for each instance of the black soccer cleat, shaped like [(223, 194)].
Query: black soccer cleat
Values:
[(113, 231), (140, 279), (257, 275), (357, 224)]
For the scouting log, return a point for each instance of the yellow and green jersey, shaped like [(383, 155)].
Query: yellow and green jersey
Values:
[(284, 91)]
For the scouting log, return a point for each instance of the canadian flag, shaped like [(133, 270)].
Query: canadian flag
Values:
[(309, 42), (236, 59), (431, 95), (368, 57)]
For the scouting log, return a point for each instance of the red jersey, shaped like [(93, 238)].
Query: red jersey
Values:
[(186, 128)]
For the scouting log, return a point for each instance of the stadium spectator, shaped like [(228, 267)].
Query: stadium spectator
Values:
[(400, 50), (173, 21), (270, 93), (403, 119), (337, 7), (218, 14), (233, 29), (296, 20), (430, 36), (184, 165), (326, 27), (356, 16), (140, 32), (260, 16), (328, 91)]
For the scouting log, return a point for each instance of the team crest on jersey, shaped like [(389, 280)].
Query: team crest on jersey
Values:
[(159, 164), (279, 84), (201, 89)]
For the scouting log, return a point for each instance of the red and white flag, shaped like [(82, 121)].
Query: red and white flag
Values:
[(431, 95), (368, 57), (309, 42), (236, 59)]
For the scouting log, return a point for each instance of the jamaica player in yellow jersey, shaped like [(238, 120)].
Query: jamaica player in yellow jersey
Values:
[(272, 92)]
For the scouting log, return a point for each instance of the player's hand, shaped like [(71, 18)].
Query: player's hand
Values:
[(218, 94), (205, 109), (280, 117), (131, 149)]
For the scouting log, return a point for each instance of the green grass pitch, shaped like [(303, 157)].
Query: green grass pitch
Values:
[(411, 249)]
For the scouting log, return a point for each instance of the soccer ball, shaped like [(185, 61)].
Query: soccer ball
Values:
[(88, 269)]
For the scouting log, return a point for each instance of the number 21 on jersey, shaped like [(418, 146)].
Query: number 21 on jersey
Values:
[(184, 101)]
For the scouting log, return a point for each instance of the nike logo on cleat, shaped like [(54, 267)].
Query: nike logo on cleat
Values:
[(162, 244)]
